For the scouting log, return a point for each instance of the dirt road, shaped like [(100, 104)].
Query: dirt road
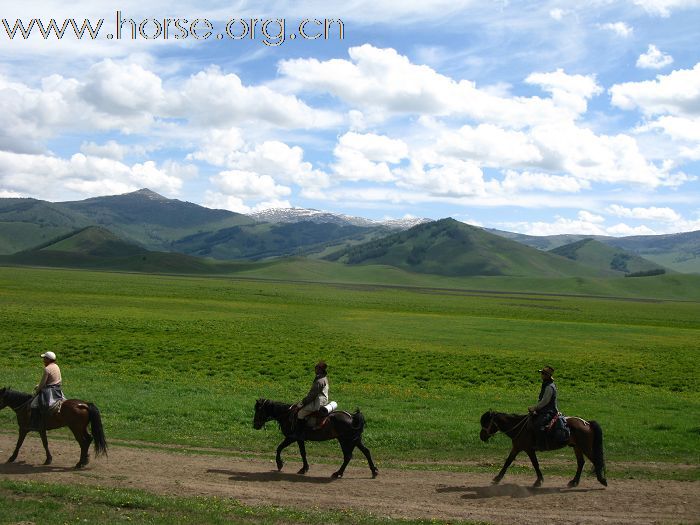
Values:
[(396, 493)]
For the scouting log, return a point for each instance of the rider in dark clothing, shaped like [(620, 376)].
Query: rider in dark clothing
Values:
[(546, 408)]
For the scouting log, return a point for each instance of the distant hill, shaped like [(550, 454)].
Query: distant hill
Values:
[(268, 240), (679, 251), (451, 248), (95, 247), (152, 220), (596, 254), (25, 223)]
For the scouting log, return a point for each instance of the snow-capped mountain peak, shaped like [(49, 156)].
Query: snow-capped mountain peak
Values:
[(290, 215)]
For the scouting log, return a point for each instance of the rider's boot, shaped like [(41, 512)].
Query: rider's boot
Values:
[(35, 419), (299, 429)]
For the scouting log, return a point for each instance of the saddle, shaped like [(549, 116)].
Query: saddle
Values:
[(557, 431)]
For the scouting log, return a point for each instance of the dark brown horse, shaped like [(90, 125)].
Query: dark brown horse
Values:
[(346, 428), (586, 438), (74, 414)]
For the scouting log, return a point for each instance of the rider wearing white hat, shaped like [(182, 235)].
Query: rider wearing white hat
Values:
[(47, 392)]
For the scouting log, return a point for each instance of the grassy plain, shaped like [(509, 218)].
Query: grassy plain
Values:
[(31, 502), (181, 360)]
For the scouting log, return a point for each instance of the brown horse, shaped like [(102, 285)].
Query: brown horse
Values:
[(74, 414), (586, 438), (346, 428)]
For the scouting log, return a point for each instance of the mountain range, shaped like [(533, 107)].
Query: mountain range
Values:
[(143, 231)]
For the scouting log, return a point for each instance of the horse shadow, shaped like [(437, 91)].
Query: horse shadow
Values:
[(20, 467), (270, 476), (510, 490)]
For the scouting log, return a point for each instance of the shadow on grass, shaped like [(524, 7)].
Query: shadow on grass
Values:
[(273, 475), (20, 467), (510, 490)]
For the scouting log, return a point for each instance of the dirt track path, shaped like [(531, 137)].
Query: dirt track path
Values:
[(396, 493)]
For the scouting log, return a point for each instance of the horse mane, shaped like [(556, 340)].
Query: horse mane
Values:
[(13, 398), (278, 407)]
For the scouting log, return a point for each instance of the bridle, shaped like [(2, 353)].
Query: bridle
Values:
[(494, 423)]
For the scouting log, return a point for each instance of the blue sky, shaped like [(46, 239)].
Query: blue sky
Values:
[(539, 117)]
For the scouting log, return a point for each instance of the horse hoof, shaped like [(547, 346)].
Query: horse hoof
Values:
[(79, 466), (336, 475), (537, 483), (495, 481), (279, 466), (12, 459), (603, 482), (47, 462), (302, 470), (571, 484), (375, 473)]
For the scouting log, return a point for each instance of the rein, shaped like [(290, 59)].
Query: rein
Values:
[(520, 424)]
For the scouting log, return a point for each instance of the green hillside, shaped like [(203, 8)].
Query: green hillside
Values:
[(151, 220), (269, 240), (678, 251), (595, 254), (25, 223), (448, 247), (98, 248)]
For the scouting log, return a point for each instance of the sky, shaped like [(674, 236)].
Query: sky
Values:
[(538, 117)]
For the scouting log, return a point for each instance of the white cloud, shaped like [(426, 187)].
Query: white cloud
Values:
[(557, 14), (652, 213), (248, 185), (489, 145), (560, 226), (377, 148), (123, 89), (272, 158), (677, 93), (619, 28), (451, 178), (381, 82), (664, 7), (213, 98), (624, 230), (568, 91), (56, 178), (527, 181), (654, 59)]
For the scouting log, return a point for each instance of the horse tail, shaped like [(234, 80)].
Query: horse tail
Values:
[(358, 423), (598, 456), (98, 432)]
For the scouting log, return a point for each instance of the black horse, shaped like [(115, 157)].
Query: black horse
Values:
[(586, 438), (346, 428), (74, 414)]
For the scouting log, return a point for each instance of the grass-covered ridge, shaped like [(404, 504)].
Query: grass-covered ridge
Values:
[(449, 247), (173, 359)]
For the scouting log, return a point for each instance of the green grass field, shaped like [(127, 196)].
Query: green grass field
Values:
[(181, 360)]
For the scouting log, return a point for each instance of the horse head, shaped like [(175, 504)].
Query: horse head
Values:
[(488, 425), (262, 415)]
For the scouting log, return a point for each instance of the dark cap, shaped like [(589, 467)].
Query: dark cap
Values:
[(547, 370)]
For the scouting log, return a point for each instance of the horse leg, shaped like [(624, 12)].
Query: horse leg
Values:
[(45, 442), (20, 439), (511, 457), (278, 458), (83, 439), (347, 456), (536, 465), (579, 467), (365, 451), (302, 450)]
